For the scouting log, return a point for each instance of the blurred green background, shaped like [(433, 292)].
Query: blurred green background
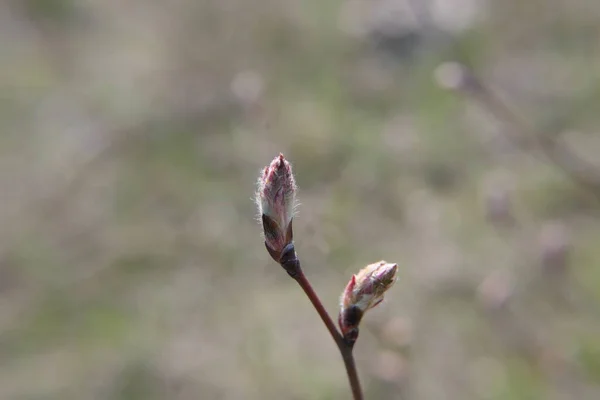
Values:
[(132, 134)]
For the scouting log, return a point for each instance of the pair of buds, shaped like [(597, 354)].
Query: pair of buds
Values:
[(276, 200)]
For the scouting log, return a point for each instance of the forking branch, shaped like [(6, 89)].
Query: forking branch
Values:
[(276, 201)]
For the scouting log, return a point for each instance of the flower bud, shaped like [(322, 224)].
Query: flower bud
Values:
[(276, 200), (364, 291)]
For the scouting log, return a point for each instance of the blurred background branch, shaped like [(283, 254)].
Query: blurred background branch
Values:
[(551, 145)]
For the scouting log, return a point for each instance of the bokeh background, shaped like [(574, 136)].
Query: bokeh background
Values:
[(132, 134)]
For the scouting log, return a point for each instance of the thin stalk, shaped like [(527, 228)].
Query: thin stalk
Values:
[(344, 347)]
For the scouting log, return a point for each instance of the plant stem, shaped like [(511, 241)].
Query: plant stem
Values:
[(344, 347)]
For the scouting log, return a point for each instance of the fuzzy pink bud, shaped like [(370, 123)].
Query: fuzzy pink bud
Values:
[(364, 291), (276, 201)]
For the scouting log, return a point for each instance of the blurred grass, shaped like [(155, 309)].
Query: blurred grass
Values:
[(150, 280)]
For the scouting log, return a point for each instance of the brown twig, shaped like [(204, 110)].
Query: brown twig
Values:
[(344, 347), (459, 78), (560, 154), (290, 262), (466, 81)]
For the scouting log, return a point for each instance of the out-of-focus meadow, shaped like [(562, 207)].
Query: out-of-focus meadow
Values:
[(132, 133)]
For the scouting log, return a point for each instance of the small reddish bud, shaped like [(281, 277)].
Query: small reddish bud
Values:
[(276, 201), (364, 291)]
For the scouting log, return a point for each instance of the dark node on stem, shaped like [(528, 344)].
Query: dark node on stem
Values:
[(289, 260), (349, 321), (352, 316), (351, 336)]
